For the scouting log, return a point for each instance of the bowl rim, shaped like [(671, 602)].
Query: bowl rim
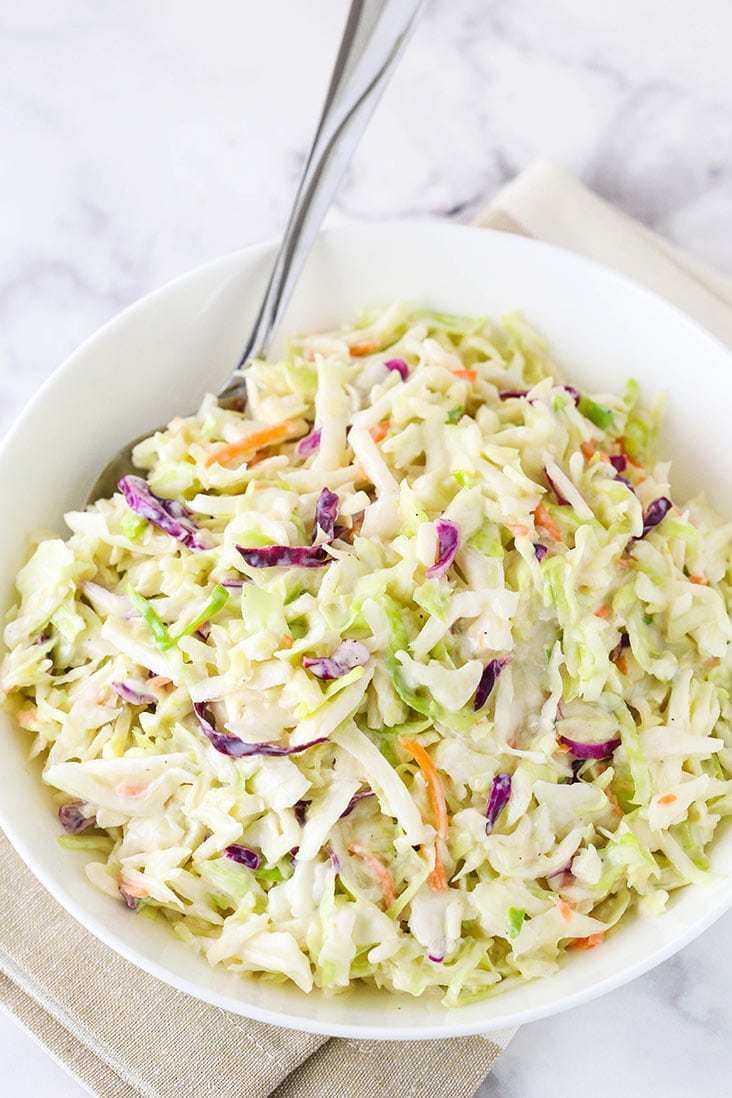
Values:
[(401, 1030)]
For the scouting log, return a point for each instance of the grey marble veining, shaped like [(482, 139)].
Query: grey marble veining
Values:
[(139, 140)]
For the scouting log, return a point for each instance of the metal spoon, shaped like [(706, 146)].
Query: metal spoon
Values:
[(375, 34)]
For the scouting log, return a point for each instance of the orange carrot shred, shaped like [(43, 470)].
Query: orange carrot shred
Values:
[(588, 943), (701, 580), (379, 431), (434, 784), (602, 611), (614, 803), (564, 908), (588, 450), (437, 880), (667, 798), (125, 790), (518, 529), (376, 865), (466, 375), (137, 891), (543, 519), (359, 350), (287, 640), (249, 444), (158, 680)]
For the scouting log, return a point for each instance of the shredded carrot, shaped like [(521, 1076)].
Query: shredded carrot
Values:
[(309, 355), (125, 790), (379, 869), (562, 749), (466, 375), (137, 891), (518, 529), (434, 785), (667, 798), (543, 519), (588, 943), (249, 444), (437, 880), (622, 664), (602, 611), (623, 562), (158, 680), (359, 350), (700, 580), (564, 908), (614, 803), (713, 661), (26, 717), (588, 450), (287, 640), (378, 432)]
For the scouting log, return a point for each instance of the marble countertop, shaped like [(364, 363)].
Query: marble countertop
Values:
[(139, 140)]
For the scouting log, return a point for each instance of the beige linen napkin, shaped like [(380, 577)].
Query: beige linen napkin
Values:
[(123, 1034)]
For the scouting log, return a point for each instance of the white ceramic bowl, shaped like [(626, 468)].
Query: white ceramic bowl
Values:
[(161, 355)]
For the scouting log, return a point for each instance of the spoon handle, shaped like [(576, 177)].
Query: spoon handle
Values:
[(375, 34)]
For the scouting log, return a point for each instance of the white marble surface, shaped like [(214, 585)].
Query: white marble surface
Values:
[(138, 140)]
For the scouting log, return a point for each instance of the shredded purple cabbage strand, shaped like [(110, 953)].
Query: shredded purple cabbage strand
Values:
[(491, 671), (362, 793), (243, 855), (73, 820), (601, 750), (236, 748), (497, 800), (540, 551), (286, 556), (167, 514), (399, 366), (134, 697), (655, 513), (309, 444), (448, 540), (561, 500), (348, 654), (326, 513)]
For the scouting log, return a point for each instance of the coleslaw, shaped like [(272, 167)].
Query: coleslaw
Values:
[(417, 674)]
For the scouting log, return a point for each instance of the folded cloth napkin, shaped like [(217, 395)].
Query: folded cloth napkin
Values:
[(123, 1034)]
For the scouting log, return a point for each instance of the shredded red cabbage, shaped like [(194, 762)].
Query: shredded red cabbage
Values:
[(134, 697), (510, 394), (233, 584), (561, 500), (497, 800), (400, 366), (300, 808), (491, 671), (243, 855), (655, 513), (540, 551), (73, 820), (619, 462), (167, 514), (574, 393), (309, 444), (435, 958), (286, 556), (348, 654), (354, 801), (626, 482), (601, 750), (617, 651), (326, 513), (236, 748), (448, 539), (334, 859), (133, 902)]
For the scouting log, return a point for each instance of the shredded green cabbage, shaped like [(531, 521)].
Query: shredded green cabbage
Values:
[(565, 644)]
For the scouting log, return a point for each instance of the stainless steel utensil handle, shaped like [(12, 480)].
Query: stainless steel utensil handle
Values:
[(375, 34)]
